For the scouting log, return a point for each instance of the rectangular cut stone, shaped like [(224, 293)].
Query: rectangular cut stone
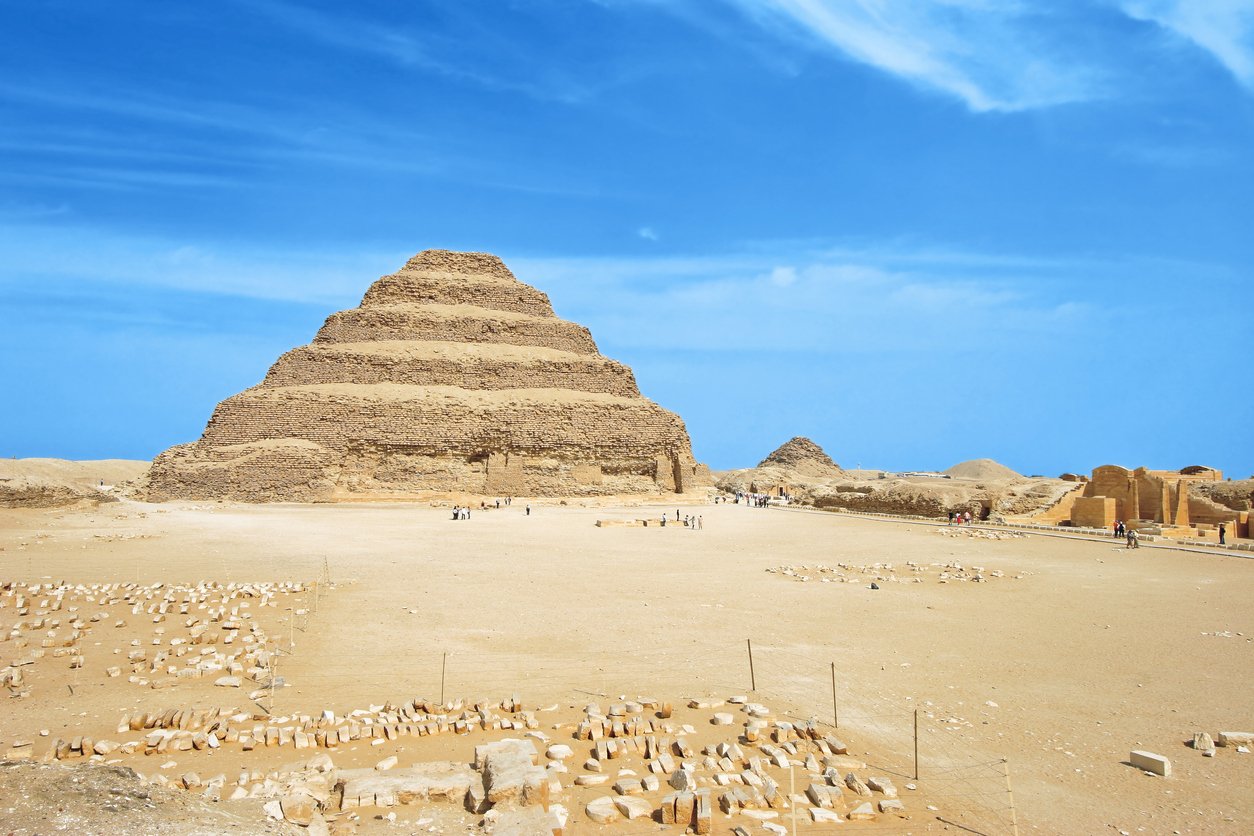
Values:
[(1150, 762)]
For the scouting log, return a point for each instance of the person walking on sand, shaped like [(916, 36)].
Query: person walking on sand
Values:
[(1134, 542), (1223, 533), (528, 509)]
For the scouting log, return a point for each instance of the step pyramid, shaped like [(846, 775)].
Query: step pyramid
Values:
[(451, 376)]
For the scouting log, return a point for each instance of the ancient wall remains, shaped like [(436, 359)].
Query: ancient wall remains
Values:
[(1094, 512)]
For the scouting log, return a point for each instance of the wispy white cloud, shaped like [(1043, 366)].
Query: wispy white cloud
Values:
[(1224, 28), (994, 56), (817, 300), (427, 51), (36, 252), (648, 233)]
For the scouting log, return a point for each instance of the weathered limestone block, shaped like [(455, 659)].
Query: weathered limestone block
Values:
[(436, 781), (1233, 738), (510, 773), (603, 810), (1150, 762)]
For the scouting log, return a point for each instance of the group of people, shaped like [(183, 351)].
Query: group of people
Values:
[(463, 512), (691, 522), (1122, 530), (752, 500), (959, 517)]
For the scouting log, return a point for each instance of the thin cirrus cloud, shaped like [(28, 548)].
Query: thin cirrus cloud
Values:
[(851, 300), (1223, 28), (994, 56)]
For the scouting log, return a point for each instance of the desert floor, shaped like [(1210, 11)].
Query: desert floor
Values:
[(1069, 654)]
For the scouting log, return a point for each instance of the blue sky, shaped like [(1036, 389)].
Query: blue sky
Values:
[(915, 232)]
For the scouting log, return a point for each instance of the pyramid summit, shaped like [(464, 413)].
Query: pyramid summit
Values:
[(452, 375)]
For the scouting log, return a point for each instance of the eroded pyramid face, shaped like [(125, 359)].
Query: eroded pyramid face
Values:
[(452, 375)]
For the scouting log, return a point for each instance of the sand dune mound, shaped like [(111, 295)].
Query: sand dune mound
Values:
[(981, 469), (804, 456), (51, 483), (451, 376)]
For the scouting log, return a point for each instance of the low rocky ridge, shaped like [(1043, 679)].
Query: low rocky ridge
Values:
[(983, 487), (54, 483)]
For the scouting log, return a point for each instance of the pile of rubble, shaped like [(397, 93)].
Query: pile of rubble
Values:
[(168, 632), (888, 573), (980, 533)]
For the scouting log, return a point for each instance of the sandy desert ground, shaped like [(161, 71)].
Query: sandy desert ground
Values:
[(1067, 655)]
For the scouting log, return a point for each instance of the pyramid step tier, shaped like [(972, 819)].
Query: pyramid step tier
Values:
[(465, 365), (427, 288), (446, 418), (454, 323)]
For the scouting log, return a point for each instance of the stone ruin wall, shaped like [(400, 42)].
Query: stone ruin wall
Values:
[(452, 376)]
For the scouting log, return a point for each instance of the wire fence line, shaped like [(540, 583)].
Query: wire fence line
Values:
[(955, 784)]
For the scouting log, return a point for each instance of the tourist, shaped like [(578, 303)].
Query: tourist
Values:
[(663, 519), (1116, 534), (498, 504), (1134, 542), (1223, 533), (700, 522), (528, 509)]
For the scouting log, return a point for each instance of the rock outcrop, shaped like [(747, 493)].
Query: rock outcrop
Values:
[(52, 483), (452, 376)]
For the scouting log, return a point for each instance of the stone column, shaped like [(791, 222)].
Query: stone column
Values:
[(1182, 502)]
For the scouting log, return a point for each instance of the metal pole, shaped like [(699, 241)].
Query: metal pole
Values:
[(443, 666), (792, 791), (835, 715), (1014, 819), (753, 680), (916, 744)]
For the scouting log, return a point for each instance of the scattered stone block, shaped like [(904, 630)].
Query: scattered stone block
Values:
[(633, 808), (854, 783), (1203, 743), (821, 815), (882, 785), (1234, 738), (1150, 762), (863, 812), (602, 810)]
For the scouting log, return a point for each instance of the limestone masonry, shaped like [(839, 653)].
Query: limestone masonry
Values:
[(452, 375)]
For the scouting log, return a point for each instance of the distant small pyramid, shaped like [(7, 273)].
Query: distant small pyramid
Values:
[(981, 469), (804, 456)]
